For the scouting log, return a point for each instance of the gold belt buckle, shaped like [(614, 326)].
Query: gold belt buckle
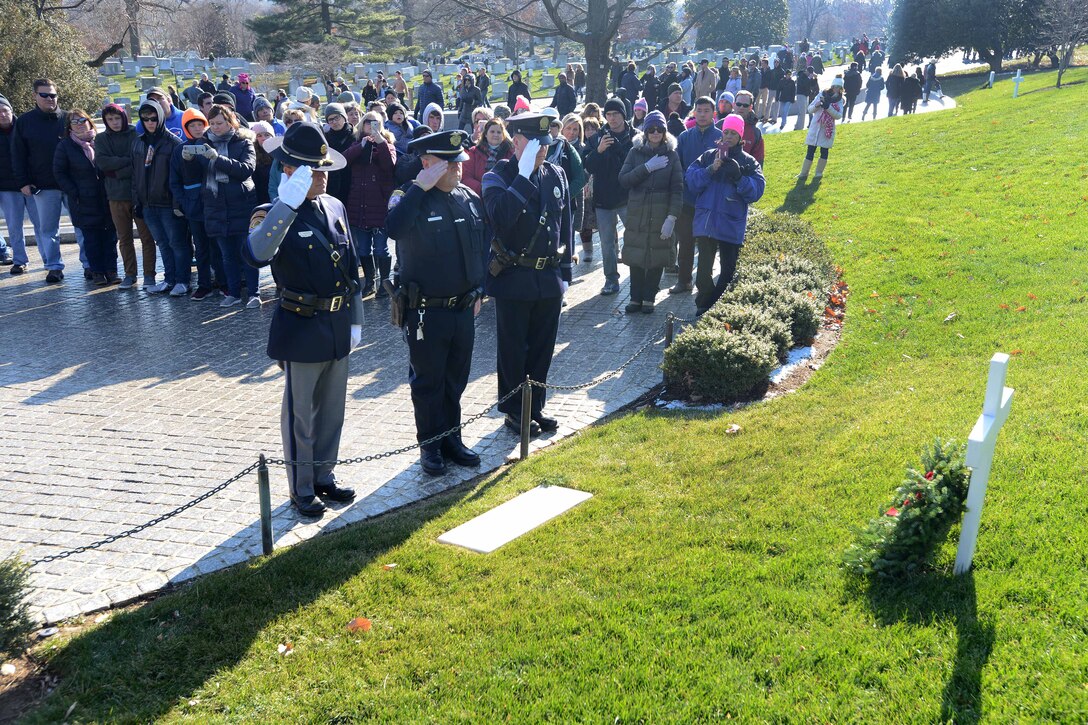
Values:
[(337, 303), (540, 262)]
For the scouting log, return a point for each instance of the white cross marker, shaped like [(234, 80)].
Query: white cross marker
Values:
[(1016, 84), (980, 454)]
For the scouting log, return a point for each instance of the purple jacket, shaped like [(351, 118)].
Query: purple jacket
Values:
[(243, 101)]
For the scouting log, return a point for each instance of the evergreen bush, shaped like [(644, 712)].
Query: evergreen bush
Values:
[(15, 622), (712, 363), (756, 320)]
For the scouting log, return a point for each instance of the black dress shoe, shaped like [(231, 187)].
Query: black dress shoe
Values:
[(309, 506), (514, 424), (455, 450), (332, 492), (546, 424), (88, 274), (432, 462)]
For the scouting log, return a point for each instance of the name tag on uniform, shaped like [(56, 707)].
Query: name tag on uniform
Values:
[(305, 234), (434, 218)]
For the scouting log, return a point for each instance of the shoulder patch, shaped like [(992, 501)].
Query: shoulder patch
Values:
[(257, 218), (394, 199)]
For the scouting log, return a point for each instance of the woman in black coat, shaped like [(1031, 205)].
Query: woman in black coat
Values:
[(517, 88), (82, 182)]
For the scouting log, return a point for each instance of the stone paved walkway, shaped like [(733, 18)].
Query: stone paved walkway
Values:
[(119, 406)]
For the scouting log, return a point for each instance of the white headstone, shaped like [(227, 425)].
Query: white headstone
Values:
[(980, 455), (503, 524)]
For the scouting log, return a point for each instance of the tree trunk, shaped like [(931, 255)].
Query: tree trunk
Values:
[(132, 9), (993, 57), (326, 17), (1067, 58), (598, 66)]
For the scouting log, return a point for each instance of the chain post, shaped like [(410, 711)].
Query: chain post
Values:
[(526, 413), (266, 505), (670, 323)]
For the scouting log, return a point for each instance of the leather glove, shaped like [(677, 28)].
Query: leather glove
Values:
[(668, 227), (294, 188), (527, 162), (656, 162), (731, 170), (210, 153), (356, 336)]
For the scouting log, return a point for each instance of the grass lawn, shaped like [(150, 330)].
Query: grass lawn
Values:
[(702, 581)]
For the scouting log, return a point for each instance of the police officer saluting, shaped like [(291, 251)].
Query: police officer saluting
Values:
[(318, 321), (439, 227), (528, 207)]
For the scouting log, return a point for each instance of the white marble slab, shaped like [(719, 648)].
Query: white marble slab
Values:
[(503, 524)]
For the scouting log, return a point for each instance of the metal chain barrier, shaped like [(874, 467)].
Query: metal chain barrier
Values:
[(611, 374), (153, 522)]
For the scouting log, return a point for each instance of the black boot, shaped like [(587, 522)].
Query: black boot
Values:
[(367, 264), (383, 273)]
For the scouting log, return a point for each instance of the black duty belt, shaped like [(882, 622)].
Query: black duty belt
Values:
[(307, 305), (448, 303), (536, 262)]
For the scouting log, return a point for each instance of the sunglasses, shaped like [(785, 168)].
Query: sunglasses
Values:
[(79, 121), (149, 119), (655, 130), (743, 105), (48, 95)]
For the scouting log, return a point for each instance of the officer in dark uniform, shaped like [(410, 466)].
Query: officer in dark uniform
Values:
[(318, 320), (528, 209), (441, 248)]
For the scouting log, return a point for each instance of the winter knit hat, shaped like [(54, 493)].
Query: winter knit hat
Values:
[(345, 97), (522, 104), (262, 127), (191, 114), (5, 102), (335, 109), (261, 102), (727, 96), (642, 105), (673, 88), (615, 104), (837, 82), (733, 122), (243, 77), (654, 119)]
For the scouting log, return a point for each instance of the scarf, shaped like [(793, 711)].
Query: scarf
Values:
[(828, 123), (86, 145), (213, 178)]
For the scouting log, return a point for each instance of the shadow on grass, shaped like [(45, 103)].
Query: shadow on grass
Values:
[(800, 197), (146, 661), (932, 597)]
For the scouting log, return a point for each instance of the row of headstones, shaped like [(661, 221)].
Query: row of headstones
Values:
[(132, 67)]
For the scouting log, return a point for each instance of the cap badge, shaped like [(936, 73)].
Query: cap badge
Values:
[(455, 140), (544, 123), (323, 150), (558, 193)]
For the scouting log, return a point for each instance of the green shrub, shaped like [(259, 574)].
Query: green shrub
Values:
[(904, 537), (15, 623), (715, 364), (800, 275), (756, 320), (803, 313), (771, 235)]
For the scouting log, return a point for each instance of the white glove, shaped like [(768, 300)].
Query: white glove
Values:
[(356, 336), (294, 188), (527, 162), (657, 162), (668, 227), (564, 286), (210, 153)]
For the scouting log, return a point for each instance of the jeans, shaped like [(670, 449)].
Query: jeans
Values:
[(786, 105), (209, 257), (729, 253), (234, 267), (100, 244), (606, 226), (174, 248), (370, 240), (45, 216), (893, 105), (15, 206)]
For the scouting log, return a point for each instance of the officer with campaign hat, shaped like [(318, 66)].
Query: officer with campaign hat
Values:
[(305, 238), (529, 210), (438, 224)]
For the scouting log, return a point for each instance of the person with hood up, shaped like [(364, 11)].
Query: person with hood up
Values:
[(172, 120), (433, 118), (151, 153), (263, 111), (641, 108), (82, 183), (516, 90), (469, 99), (244, 97), (340, 135), (227, 162), (187, 185), (113, 155), (494, 146), (653, 176), (724, 182), (371, 163), (429, 93)]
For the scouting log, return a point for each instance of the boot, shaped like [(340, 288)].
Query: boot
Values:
[(820, 169), (804, 170), (383, 273), (367, 264), (587, 245)]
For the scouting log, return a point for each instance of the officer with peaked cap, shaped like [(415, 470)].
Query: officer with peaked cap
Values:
[(529, 211), (438, 223), (304, 237)]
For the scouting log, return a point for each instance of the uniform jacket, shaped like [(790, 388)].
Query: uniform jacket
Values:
[(721, 205), (605, 168), (227, 212), (690, 145), (428, 93), (653, 196), (441, 239), (32, 145), (82, 182), (151, 155), (113, 154), (817, 135), (514, 207), (473, 170), (372, 182), (286, 240)]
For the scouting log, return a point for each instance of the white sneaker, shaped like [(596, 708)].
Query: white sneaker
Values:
[(254, 302), (179, 290), (229, 301), (158, 288)]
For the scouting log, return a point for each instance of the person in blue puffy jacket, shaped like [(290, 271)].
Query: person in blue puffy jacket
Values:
[(724, 182)]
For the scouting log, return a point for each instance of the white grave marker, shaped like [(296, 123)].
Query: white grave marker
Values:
[(1016, 84), (522, 514), (980, 454)]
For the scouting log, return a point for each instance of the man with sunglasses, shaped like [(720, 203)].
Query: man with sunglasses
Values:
[(33, 143)]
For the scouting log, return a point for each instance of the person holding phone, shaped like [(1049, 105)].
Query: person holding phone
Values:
[(371, 162), (186, 184)]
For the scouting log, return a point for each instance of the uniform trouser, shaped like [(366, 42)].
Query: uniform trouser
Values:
[(121, 211), (645, 283), (526, 331), (729, 253), (100, 243), (610, 245), (311, 419), (438, 368), (16, 206)]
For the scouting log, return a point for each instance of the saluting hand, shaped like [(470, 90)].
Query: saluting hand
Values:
[(427, 178)]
